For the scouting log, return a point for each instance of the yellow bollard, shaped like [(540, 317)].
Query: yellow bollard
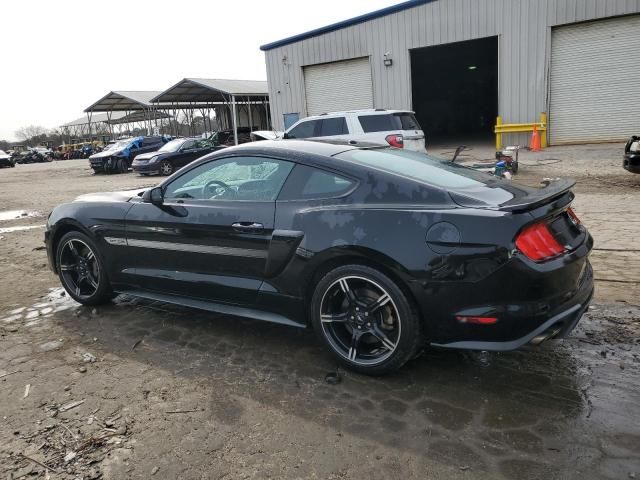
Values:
[(543, 134), (498, 135)]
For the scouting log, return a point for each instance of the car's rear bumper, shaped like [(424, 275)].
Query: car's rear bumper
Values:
[(631, 162), (557, 324), (520, 301)]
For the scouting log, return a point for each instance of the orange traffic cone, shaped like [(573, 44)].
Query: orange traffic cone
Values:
[(534, 146)]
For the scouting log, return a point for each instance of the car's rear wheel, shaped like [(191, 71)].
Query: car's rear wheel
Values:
[(166, 168), (365, 319), (81, 270)]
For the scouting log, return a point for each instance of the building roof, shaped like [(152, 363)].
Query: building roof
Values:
[(345, 23), (209, 90), (123, 101)]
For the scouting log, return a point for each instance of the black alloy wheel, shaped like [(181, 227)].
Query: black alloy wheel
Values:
[(166, 168), (81, 270), (365, 319)]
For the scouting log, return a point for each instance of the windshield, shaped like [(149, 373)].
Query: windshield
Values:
[(119, 145), (172, 146), (429, 170)]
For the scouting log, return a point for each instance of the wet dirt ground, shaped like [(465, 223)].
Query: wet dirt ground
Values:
[(141, 389)]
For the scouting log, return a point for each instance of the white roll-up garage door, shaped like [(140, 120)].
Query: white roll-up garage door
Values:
[(595, 81), (338, 86)]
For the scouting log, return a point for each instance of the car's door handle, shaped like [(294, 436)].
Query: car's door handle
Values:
[(247, 226), (353, 142)]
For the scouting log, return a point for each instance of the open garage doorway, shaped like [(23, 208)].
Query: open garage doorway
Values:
[(455, 90)]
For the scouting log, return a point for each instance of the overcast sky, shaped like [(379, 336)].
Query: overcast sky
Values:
[(58, 57)]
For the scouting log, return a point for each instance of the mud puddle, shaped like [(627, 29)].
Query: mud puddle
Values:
[(19, 228), (18, 215)]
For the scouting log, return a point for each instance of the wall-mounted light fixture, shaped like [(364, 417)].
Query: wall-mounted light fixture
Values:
[(388, 61)]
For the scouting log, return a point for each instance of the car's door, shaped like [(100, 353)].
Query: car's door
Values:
[(186, 154), (210, 237)]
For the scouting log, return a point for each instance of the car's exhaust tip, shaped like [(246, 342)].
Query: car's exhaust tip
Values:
[(546, 335)]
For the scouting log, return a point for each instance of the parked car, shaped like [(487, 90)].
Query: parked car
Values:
[(631, 160), (44, 151), (397, 128), (6, 160), (30, 156), (382, 251), (225, 138), (172, 156), (119, 157)]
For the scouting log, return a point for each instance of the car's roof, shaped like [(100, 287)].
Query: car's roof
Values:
[(369, 111), (323, 148)]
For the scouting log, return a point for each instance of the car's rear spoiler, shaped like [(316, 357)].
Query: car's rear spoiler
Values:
[(541, 196)]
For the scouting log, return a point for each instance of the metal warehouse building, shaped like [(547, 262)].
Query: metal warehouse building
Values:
[(460, 63)]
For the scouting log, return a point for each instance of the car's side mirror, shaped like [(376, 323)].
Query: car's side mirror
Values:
[(153, 196), (285, 135)]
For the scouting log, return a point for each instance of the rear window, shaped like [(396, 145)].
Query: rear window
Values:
[(388, 122), (418, 166)]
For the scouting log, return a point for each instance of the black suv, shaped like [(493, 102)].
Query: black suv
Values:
[(118, 157)]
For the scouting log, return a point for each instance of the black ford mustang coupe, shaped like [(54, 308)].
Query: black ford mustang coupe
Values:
[(381, 250)]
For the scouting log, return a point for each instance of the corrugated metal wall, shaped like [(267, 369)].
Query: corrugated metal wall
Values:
[(523, 27)]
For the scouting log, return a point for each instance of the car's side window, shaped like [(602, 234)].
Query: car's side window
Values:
[(188, 145), (312, 183), (334, 126), (305, 130), (234, 178)]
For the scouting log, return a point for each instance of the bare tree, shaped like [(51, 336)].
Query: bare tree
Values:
[(27, 133)]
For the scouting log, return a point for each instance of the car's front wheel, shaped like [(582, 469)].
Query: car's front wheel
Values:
[(81, 269), (166, 168), (365, 319)]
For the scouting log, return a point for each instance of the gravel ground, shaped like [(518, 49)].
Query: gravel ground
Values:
[(140, 389)]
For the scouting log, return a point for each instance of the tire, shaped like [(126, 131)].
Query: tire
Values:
[(514, 167), (166, 168), (94, 288), (122, 166), (385, 337)]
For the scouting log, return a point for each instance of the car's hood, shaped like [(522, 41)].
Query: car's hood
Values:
[(147, 156), (123, 196), (5, 157), (104, 153), (266, 135)]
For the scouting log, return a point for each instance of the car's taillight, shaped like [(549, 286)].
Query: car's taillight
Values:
[(395, 141), (538, 243)]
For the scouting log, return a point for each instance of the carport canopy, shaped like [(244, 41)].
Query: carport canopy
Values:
[(214, 91), (98, 118), (208, 91), (124, 101)]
